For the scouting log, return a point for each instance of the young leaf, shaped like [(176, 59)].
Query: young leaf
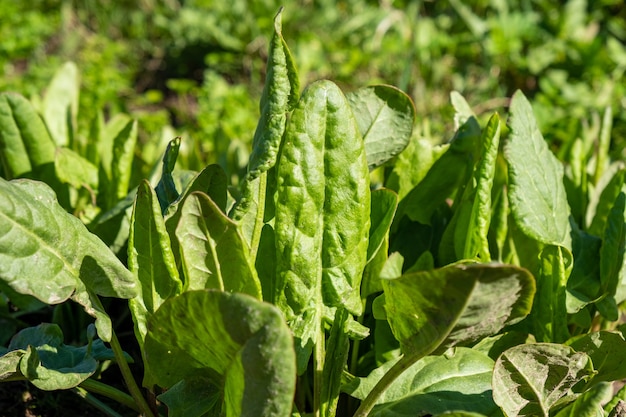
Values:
[(280, 95), (150, 259), (462, 110), (213, 252), (49, 254), (166, 189), (435, 384), (24, 140), (60, 104), (322, 212), (529, 379), (385, 116), (241, 345), (455, 305), (536, 191)]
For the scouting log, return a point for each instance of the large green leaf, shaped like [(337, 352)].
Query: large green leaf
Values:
[(528, 380), (322, 212), (460, 381), (60, 104), (49, 254), (606, 350), (385, 116), (536, 190), (150, 259), (25, 144), (590, 403), (455, 305), (237, 343), (213, 252)]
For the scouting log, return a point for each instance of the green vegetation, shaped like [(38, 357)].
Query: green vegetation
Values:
[(169, 248)]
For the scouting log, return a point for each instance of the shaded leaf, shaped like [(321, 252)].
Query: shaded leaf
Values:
[(606, 352), (589, 404), (384, 204)]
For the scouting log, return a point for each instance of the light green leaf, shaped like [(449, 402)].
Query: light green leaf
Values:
[(435, 384), (528, 380), (240, 344), (60, 104), (123, 155), (462, 110), (456, 305), (536, 190), (75, 170), (24, 139), (150, 259), (49, 254), (213, 252), (385, 116), (322, 212)]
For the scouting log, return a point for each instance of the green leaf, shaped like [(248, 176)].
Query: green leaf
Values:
[(462, 110), (213, 252), (73, 169), (60, 104), (49, 254), (194, 397), (456, 305), (612, 257), (583, 285), (123, 155), (536, 190), (443, 179), (385, 116), (606, 352), (280, 95), (528, 380), (150, 259), (47, 362), (322, 212), (240, 344), (474, 212), (458, 382), (606, 199), (384, 204), (589, 404), (166, 189), (24, 140)]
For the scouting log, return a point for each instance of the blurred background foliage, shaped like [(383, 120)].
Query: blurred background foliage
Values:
[(195, 68)]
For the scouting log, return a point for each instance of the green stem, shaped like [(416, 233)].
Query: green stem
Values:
[(260, 214), (108, 391), (85, 395), (128, 377), (318, 372), (396, 370)]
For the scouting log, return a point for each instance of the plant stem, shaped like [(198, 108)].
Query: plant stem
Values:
[(318, 372), (85, 395), (368, 403), (260, 214), (108, 391), (128, 377)]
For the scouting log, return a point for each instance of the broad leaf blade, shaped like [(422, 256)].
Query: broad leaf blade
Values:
[(49, 254), (455, 305), (385, 116), (606, 350), (590, 403), (24, 139), (213, 252), (529, 379), (322, 212), (75, 170), (536, 190), (435, 384), (150, 259), (240, 344)]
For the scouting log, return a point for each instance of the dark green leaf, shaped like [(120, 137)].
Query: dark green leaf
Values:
[(166, 189), (240, 344), (606, 352), (385, 116), (192, 398), (589, 404), (384, 204), (456, 305)]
